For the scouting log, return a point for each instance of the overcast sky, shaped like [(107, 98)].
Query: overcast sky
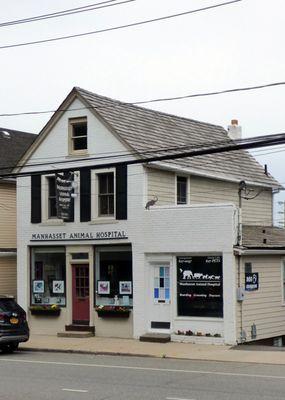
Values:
[(233, 46)]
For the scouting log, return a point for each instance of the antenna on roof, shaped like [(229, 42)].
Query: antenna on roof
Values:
[(6, 135)]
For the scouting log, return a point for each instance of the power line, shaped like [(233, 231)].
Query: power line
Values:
[(113, 28), (249, 143), (263, 86), (63, 13), (211, 93), (112, 155)]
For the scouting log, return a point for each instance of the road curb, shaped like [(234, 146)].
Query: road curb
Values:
[(97, 353)]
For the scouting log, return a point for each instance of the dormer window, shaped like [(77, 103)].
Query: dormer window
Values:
[(78, 135)]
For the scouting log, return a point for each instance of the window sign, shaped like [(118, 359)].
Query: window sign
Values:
[(200, 286), (58, 287), (251, 281), (38, 286)]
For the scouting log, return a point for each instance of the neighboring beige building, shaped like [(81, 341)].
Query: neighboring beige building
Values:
[(12, 146)]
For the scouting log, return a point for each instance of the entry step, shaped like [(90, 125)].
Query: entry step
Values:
[(75, 334), (155, 337), (80, 328)]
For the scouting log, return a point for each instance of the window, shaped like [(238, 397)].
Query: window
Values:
[(106, 194), (52, 211), (48, 276), (78, 135), (181, 197), (161, 285), (103, 194), (114, 271)]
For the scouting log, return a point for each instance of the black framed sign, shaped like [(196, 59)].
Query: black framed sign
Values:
[(200, 286), (251, 281)]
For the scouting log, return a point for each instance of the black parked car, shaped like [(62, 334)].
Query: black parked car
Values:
[(13, 325)]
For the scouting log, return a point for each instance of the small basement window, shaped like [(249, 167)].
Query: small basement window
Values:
[(78, 135)]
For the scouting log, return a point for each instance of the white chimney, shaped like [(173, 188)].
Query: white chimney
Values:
[(234, 130)]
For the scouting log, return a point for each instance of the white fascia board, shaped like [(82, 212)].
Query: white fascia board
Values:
[(192, 171), (258, 252), (183, 206)]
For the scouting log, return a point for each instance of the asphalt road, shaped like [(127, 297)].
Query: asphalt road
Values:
[(44, 376)]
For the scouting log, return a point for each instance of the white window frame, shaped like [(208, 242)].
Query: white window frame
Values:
[(95, 217), (187, 189), (45, 205), (71, 123)]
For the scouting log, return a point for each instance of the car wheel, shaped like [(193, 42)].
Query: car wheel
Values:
[(9, 348)]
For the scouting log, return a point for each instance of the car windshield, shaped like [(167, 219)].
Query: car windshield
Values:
[(7, 305)]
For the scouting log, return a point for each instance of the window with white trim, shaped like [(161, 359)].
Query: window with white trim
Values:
[(78, 135), (106, 194), (103, 194), (182, 190)]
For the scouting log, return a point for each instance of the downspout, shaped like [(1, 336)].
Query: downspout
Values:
[(242, 186)]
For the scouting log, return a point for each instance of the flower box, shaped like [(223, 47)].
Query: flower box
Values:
[(113, 312), (52, 310)]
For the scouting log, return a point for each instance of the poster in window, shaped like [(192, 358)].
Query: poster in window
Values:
[(103, 287), (58, 287), (200, 286), (125, 287), (38, 286)]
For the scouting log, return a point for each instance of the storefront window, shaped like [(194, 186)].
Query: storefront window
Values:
[(48, 276), (200, 286), (114, 277)]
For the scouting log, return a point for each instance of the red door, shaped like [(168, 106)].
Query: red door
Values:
[(80, 294)]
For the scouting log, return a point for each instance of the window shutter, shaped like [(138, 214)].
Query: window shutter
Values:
[(36, 199), (85, 195), (121, 192)]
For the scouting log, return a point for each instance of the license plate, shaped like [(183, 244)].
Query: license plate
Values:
[(14, 320)]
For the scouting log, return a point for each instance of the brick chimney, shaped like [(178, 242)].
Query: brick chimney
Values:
[(234, 130)]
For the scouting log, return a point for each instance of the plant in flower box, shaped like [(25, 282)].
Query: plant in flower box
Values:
[(112, 311), (45, 309)]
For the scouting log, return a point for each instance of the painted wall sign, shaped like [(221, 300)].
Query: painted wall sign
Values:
[(200, 286), (251, 281), (73, 236)]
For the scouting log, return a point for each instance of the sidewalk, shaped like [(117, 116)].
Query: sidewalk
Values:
[(132, 347)]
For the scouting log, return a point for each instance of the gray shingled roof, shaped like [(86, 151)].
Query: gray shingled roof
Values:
[(12, 147), (144, 129), (263, 237)]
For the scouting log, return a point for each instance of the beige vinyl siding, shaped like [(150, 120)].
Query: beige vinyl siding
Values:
[(161, 184), (8, 276), (7, 215), (263, 307), (257, 211)]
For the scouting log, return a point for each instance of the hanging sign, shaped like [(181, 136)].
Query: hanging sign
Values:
[(251, 281), (200, 286), (64, 190)]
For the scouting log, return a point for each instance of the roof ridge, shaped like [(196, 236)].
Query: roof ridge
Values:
[(149, 109)]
